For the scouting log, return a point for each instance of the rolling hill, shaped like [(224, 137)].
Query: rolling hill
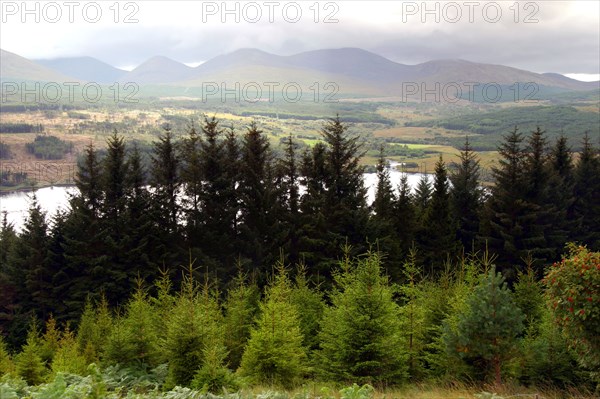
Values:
[(84, 68), (13, 66), (355, 71)]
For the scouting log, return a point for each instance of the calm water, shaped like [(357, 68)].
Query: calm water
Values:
[(53, 198)]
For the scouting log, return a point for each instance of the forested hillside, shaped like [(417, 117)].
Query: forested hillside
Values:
[(224, 266)]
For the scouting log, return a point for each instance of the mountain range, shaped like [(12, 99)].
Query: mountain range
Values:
[(355, 71)]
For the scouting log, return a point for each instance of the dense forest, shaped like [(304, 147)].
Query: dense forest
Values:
[(223, 265)]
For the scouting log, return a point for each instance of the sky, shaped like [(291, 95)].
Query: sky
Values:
[(539, 36)]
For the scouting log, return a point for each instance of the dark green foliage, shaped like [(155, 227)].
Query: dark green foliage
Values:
[(489, 324), (361, 332), (335, 203), (466, 195), (438, 238), (587, 192), (507, 214), (258, 212), (49, 147)]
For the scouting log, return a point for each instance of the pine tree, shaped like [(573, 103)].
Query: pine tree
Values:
[(289, 200), (8, 239), (422, 196), (489, 325), (67, 358), (466, 195), (361, 332), (84, 244), (27, 265), (216, 214), (404, 218), (191, 180), (560, 187), (141, 237), (439, 232), (241, 306), (165, 210), (587, 192), (382, 226), (259, 218), (6, 364), (310, 306), (384, 194), (28, 363), (313, 237), (134, 339), (507, 213), (166, 180), (542, 215), (274, 354), (194, 325), (346, 209), (113, 278)]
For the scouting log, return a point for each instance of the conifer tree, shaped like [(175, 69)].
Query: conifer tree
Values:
[(28, 363), (346, 209), (382, 226), (361, 332), (542, 216), (275, 354), (27, 265), (8, 239), (67, 358), (313, 232), (134, 339), (289, 200), (507, 213), (166, 180), (384, 194), (405, 219), (259, 218), (466, 195), (6, 363), (489, 325), (191, 180), (241, 306), (439, 232), (193, 326), (587, 192), (310, 306), (423, 192)]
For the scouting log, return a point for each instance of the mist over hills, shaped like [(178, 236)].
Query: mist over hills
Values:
[(354, 71)]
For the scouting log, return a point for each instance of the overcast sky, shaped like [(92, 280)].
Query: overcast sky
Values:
[(540, 36)]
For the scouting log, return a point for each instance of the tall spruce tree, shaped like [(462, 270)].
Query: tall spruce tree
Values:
[(587, 192), (259, 218), (289, 200), (382, 227), (439, 232), (507, 214), (405, 218), (466, 195), (542, 214), (191, 180)]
